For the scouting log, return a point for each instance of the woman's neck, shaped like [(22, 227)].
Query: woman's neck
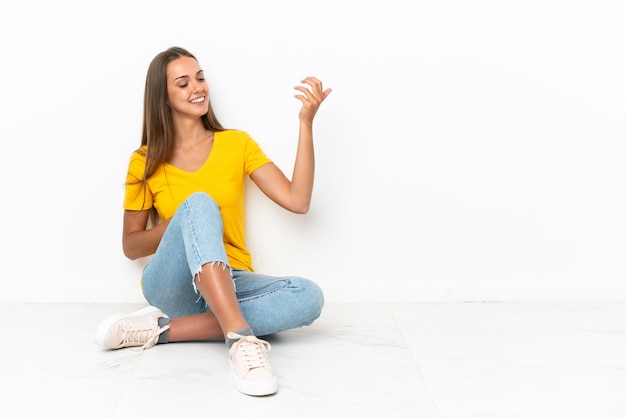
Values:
[(189, 133)]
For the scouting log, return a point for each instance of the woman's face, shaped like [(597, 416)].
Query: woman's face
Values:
[(187, 90)]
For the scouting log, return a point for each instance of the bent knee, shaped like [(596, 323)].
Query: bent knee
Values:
[(201, 198), (311, 297)]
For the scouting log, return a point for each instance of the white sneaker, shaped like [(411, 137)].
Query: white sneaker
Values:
[(252, 373), (140, 328)]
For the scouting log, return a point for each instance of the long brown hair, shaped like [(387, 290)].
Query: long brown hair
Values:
[(158, 128)]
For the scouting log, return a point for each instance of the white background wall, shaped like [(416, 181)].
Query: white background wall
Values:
[(471, 150)]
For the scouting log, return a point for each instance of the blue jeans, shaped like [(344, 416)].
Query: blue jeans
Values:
[(194, 240)]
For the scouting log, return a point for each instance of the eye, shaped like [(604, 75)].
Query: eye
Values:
[(182, 86)]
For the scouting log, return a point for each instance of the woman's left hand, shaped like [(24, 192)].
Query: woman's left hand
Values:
[(311, 98)]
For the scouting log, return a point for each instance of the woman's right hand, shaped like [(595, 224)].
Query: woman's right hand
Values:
[(311, 98)]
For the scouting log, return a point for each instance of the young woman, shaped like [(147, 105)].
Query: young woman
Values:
[(184, 207)]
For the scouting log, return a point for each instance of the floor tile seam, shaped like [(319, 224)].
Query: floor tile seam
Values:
[(416, 364), (131, 376)]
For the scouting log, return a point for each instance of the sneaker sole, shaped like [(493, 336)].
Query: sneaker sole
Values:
[(254, 388), (108, 323)]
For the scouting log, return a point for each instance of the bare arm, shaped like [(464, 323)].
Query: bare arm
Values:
[(295, 194), (137, 241)]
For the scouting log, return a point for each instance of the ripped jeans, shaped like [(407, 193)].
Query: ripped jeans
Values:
[(194, 240)]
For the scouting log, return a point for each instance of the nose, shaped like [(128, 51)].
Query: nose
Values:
[(196, 87)]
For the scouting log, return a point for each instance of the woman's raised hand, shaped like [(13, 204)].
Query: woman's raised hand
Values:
[(311, 97)]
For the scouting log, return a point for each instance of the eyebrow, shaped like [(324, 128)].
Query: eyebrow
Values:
[(186, 76)]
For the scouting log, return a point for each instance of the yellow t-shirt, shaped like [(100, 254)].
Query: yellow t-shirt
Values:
[(234, 156)]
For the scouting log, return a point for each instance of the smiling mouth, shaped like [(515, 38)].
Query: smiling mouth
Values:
[(198, 100)]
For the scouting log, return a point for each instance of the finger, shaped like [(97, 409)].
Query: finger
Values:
[(308, 97), (316, 85), (312, 95), (304, 90)]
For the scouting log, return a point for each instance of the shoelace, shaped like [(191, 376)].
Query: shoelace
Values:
[(149, 335), (252, 350)]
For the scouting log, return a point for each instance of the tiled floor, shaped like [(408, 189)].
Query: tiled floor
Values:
[(485, 360)]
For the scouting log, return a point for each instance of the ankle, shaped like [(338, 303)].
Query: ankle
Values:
[(243, 332), (164, 336)]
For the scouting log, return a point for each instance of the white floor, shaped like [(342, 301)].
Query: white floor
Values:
[(486, 360)]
